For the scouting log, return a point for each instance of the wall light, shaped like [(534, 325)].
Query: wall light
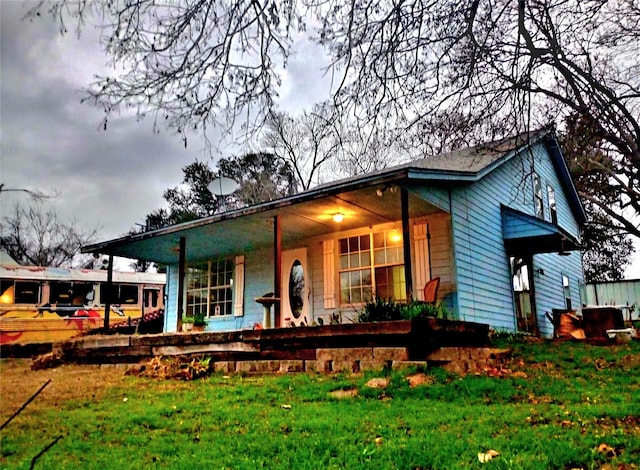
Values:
[(395, 236), (338, 217)]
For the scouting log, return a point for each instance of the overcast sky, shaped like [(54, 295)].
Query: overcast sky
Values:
[(51, 142)]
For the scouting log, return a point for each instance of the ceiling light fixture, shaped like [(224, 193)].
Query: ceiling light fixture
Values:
[(338, 217)]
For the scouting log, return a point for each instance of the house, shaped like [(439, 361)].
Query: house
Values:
[(498, 224)]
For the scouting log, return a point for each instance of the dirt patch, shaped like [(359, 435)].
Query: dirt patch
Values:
[(18, 382)]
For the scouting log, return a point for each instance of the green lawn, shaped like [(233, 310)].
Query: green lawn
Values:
[(564, 401)]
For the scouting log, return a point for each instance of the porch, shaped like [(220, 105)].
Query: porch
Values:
[(331, 348)]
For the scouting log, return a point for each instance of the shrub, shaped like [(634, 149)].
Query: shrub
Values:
[(387, 310), (380, 310)]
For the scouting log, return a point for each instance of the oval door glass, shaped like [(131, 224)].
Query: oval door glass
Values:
[(296, 289)]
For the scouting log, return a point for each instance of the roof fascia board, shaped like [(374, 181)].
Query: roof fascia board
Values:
[(310, 195), (559, 163)]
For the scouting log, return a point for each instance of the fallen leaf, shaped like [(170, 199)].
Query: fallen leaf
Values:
[(286, 407), (378, 440), (606, 450), (484, 457)]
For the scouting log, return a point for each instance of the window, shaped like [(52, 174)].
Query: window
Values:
[(72, 293), (371, 265), (122, 294), (210, 288), (151, 297), (537, 196), (553, 213), (19, 292), (566, 286)]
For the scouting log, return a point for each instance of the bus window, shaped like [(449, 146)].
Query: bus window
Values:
[(151, 298), (122, 294), (27, 292), (6, 291), (60, 292), (73, 293)]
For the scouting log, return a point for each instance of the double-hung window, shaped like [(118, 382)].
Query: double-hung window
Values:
[(210, 288), (371, 265), (537, 196)]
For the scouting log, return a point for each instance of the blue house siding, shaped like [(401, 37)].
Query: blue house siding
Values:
[(171, 290), (548, 272), (483, 274)]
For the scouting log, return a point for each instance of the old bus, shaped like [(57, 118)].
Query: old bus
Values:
[(40, 304)]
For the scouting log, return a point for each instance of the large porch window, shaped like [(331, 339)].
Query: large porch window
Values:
[(371, 265), (210, 288)]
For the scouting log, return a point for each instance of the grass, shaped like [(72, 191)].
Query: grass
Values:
[(554, 407)]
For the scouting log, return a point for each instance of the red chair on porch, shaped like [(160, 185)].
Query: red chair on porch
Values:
[(431, 290)]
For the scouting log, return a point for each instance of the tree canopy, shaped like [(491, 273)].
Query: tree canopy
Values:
[(260, 176), (34, 235), (400, 67)]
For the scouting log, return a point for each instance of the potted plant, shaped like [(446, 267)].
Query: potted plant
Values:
[(187, 323), (199, 321)]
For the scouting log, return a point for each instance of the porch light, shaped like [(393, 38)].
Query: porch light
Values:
[(338, 217), (395, 236)]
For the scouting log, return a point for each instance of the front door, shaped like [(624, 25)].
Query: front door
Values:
[(295, 288), (523, 294)]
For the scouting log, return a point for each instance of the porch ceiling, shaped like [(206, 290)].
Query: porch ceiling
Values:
[(243, 230)]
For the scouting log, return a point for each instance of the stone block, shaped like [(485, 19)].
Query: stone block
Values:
[(375, 365), (344, 354), (311, 366), (345, 366), (109, 342), (258, 367), (391, 354), (291, 366), (225, 367)]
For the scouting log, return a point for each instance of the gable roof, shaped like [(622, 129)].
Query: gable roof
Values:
[(461, 166)]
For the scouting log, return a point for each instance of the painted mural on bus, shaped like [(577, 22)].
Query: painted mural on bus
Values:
[(41, 304)]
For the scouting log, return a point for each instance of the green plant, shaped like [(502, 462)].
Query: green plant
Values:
[(380, 310), (418, 309), (199, 319), (186, 319), (387, 310)]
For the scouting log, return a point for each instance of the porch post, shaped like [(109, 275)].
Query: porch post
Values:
[(277, 269), (406, 243), (109, 286), (181, 274)]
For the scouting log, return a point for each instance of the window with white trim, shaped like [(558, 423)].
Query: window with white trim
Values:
[(553, 212), (371, 265), (210, 288), (538, 202)]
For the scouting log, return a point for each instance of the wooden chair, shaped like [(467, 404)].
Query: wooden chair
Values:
[(431, 290)]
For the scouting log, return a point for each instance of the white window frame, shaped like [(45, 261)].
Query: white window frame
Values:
[(372, 266)]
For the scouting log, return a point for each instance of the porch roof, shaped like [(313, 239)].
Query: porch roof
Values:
[(308, 214), (302, 216), (526, 235)]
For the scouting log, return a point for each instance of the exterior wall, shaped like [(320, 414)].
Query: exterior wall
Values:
[(171, 291), (258, 280), (482, 264), (548, 272), (441, 266)]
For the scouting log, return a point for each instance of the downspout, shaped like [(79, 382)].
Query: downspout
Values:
[(181, 275), (277, 270), (429, 252), (406, 243), (107, 306)]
